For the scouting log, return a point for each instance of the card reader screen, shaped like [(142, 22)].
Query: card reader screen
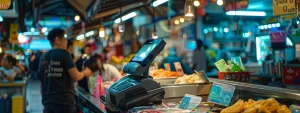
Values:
[(143, 52)]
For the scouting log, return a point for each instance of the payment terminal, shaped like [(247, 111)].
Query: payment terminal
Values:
[(137, 88)]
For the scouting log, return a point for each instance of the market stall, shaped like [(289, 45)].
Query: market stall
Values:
[(13, 97), (165, 90)]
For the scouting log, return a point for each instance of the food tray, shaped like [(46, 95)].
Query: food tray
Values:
[(235, 76)]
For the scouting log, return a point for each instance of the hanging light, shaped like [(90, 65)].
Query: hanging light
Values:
[(76, 18), (154, 34), (189, 8), (101, 32), (220, 2), (121, 25), (196, 3)]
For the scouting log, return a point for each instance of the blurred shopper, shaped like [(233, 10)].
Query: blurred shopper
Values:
[(199, 57), (57, 73), (34, 65), (70, 48), (7, 73), (20, 69), (107, 71), (85, 55), (172, 58)]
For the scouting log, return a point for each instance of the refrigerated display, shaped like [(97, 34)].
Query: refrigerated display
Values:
[(263, 46)]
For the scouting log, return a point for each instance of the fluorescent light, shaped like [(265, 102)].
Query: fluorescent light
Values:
[(246, 13), (1, 18), (90, 33), (126, 17), (226, 30), (158, 2), (80, 37), (258, 56), (266, 26), (65, 35), (32, 29), (277, 24), (33, 33), (44, 29)]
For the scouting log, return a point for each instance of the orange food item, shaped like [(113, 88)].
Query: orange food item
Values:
[(161, 73)]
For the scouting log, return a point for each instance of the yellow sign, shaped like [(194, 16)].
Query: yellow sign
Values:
[(4, 4), (13, 33), (283, 7)]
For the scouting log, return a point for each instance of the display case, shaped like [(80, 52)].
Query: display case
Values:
[(175, 92), (16, 92)]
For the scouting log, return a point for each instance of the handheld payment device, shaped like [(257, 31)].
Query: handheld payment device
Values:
[(137, 88)]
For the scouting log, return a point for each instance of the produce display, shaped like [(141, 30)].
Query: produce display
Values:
[(188, 79), (262, 106), (161, 73), (233, 65)]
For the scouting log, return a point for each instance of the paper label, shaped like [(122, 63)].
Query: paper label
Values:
[(178, 68), (167, 66), (221, 94), (190, 102), (221, 65)]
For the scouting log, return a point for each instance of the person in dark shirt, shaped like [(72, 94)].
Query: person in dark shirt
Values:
[(86, 54), (57, 74), (70, 49)]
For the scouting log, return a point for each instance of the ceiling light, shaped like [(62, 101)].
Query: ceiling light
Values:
[(126, 17), (205, 31), (121, 27), (181, 20), (158, 2), (22, 38), (261, 27), (77, 18), (269, 26), (44, 29), (266, 26), (273, 25), (32, 29), (101, 32), (226, 30), (90, 33), (189, 8), (220, 2), (246, 13), (1, 18), (196, 3), (137, 33), (216, 29), (65, 35), (277, 24), (176, 22), (80, 37)]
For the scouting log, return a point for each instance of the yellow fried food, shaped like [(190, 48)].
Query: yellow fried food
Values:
[(235, 108), (283, 109), (271, 104), (261, 109)]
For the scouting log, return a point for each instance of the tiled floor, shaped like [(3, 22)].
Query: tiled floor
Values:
[(34, 97)]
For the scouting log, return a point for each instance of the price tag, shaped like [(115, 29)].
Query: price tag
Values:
[(190, 102), (178, 68), (221, 94), (167, 66), (221, 65)]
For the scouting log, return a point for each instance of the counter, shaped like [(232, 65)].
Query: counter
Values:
[(89, 101), (16, 87), (175, 92)]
